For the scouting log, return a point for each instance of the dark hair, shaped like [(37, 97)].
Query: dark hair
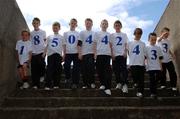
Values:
[(25, 31), (89, 19), (152, 34), (36, 19), (56, 24), (165, 29), (118, 22), (73, 19), (139, 30)]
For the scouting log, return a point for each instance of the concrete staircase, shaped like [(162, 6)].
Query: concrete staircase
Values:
[(65, 103)]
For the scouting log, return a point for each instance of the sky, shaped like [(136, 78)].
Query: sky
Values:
[(132, 13)]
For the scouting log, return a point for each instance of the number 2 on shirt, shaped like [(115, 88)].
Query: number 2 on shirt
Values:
[(54, 42), (36, 40), (136, 50), (119, 40), (89, 39), (105, 40)]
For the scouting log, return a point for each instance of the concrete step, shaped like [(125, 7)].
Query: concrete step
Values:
[(42, 102), (122, 112), (86, 93)]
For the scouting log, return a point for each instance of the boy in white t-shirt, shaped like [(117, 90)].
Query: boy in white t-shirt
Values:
[(38, 64), (119, 45), (71, 54), (55, 47), (167, 62), (24, 53), (87, 54), (103, 51), (154, 66), (137, 51)]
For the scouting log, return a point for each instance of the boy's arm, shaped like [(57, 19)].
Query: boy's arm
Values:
[(30, 56), (161, 37), (17, 57), (79, 46), (112, 54), (125, 50), (95, 49), (172, 54), (64, 52)]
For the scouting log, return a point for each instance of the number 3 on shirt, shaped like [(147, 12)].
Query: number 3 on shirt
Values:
[(154, 54), (105, 40), (36, 40), (54, 42), (136, 50), (165, 46)]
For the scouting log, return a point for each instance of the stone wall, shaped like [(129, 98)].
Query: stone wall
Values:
[(171, 19), (11, 24)]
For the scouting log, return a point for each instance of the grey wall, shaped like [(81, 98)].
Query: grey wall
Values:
[(171, 19), (11, 24)]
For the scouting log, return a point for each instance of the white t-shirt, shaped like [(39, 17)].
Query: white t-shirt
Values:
[(165, 47), (55, 44), (153, 53), (103, 43), (71, 41), (23, 48), (38, 43), (119, 41), (137, 52), (87, 38)]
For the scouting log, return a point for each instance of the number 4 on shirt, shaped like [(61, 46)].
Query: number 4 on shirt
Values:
[(89, 39), (105, 40), (136, 50)]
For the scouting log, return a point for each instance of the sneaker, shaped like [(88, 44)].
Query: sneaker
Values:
[(74, 86), (35, 87), (135, 85), (153, 96), (107, 92), (174, 89), (125, 88), (139, 94), (118, 86), (163, 87), (42, 79), (25, 85), (102, 87), (55, 87), (46, 88), (84, 87), (93, 85)]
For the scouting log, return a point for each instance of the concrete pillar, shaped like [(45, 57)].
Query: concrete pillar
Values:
[(171, 19), (11, 24)]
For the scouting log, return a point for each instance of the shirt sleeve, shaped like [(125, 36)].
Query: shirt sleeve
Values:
[(17, 45)]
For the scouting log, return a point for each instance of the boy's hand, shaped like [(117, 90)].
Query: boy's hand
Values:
[(43, 55), (63, 58), (113, 57), (80, 56)]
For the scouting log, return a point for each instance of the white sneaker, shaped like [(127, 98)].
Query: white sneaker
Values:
[(42, 79), (35, 87), (139, 94), (174, 89), (56, 87), (93, 85), (102, 87), (25, 85), (107, 92), (118, 86), (163, 87), (46, 88), (84, 87), (125, 88)]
